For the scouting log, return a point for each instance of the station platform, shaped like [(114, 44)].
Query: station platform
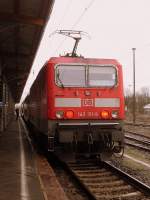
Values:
[(18, 172)]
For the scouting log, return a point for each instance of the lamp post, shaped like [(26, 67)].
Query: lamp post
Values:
[(134, 100)]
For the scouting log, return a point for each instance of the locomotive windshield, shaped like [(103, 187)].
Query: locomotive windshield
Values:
[(70, 75), (85, 76), (102, 76)]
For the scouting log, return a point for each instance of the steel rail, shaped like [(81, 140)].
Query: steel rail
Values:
[(137, 142), (136, 183), (83, 186), (110, 181), (138, 146), (144, 142), (137, 134), (137, 124)]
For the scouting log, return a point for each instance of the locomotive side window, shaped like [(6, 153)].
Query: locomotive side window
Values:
[(70, 75), (102, 76)]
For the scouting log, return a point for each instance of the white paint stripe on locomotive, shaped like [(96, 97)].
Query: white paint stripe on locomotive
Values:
[(76, 102), (107, 102), (67, 102)]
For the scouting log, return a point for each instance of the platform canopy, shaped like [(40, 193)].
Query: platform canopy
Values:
[(21, 26)]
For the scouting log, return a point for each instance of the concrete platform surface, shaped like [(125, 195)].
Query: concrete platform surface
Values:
[(18, 173)]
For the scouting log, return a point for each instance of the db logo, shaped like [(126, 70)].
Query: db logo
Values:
[(87, 102)]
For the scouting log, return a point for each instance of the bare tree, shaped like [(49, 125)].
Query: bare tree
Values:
[(142, 98)]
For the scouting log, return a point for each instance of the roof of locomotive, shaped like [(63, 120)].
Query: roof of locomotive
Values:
[(64, 59)]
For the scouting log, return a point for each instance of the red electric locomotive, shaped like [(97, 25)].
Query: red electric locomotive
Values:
[(78, 104)]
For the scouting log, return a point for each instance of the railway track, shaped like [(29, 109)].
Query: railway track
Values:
[(137, 134), (137, 140), (137, 124), (107, 182)]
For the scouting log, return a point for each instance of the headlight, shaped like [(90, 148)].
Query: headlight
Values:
[(114, 114), (105, 114), (59, 114), (69, 114)]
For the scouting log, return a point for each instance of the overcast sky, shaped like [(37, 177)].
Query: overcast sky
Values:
[(114, 26)]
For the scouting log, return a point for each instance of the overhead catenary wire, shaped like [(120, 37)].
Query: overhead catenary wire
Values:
[(65, 12), (26, 90), (76, 23), (83, 13), (60, 22)]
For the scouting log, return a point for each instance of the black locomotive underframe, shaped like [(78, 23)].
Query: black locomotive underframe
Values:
[(92, 137)]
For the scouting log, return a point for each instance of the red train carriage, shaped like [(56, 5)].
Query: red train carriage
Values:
[(78, 104)]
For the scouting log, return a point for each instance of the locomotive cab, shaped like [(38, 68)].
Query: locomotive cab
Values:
[(85, 106)]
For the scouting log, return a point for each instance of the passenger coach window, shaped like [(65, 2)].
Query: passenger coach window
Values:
[(102, 76), (70, 75)]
